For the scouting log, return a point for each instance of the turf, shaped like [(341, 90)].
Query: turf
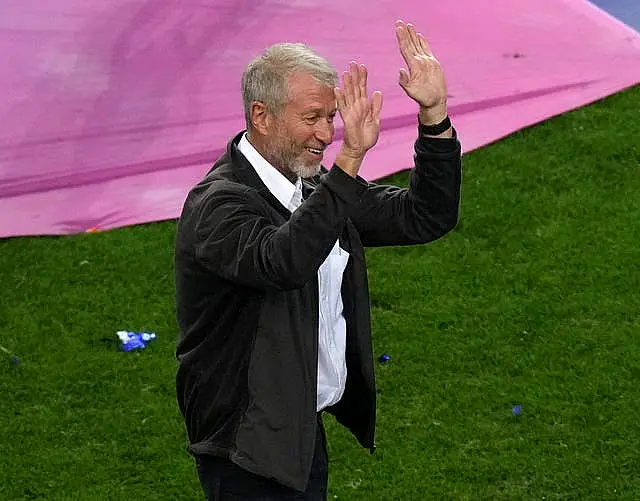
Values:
[(534, 300)]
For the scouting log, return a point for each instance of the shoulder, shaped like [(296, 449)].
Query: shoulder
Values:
[(215, 190), (228, 177)]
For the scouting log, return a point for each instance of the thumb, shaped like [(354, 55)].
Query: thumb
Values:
[(376, 106), (403, 78)]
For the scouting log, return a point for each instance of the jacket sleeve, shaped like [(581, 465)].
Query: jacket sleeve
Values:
[(427, 210), (235, 239)]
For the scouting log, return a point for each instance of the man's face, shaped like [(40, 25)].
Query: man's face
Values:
[(298, 137)]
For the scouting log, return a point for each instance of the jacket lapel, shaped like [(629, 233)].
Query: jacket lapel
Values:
[(247, 175)]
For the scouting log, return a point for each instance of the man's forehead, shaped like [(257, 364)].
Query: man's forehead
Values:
[(305, 91)]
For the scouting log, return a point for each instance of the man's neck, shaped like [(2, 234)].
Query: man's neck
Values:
[(264, 152)]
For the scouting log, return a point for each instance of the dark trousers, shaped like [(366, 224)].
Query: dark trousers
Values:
[(222, 480)]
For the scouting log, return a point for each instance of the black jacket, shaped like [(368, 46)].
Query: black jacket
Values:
[(247, 301)]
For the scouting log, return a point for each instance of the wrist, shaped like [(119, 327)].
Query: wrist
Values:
[(349, 161), (432, 115)]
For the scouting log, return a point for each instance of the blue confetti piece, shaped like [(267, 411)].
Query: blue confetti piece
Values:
[(134, 341), (383, 359), (516, 410)]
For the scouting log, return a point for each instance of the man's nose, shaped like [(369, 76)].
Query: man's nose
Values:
[(324, 131)]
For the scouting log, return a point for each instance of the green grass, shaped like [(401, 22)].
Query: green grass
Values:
[(534, 300)]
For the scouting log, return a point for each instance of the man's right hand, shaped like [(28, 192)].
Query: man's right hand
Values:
[(360, 116)]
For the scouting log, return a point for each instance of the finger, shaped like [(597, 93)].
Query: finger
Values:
[(376, 105), (354, 74), (362, 71), (404, 44), (413, 36), (425, 45), (347, 88)]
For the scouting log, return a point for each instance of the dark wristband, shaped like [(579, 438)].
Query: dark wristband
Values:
[(434, 130)]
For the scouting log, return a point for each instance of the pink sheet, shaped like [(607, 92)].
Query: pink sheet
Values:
[(111, 111)]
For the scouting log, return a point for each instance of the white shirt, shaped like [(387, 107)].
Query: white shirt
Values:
[(332, 327)]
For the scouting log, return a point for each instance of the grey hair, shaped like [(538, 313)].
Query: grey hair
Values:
[(265, 79)]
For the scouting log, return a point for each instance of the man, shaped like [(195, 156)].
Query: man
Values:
[(271, 284)]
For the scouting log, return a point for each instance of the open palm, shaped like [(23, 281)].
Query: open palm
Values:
[(424, 80), (360, 114)]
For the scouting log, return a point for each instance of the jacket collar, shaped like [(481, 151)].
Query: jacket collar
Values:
[(247, 175)]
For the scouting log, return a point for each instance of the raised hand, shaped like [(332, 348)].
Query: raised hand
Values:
[(424, 80), (360, 114)]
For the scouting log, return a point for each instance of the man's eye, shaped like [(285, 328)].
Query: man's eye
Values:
[(311, 119)]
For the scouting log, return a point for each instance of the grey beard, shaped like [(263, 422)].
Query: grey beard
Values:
[(285, 159), (304, 170)]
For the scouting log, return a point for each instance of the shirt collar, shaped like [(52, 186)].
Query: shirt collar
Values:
[(274, 180)]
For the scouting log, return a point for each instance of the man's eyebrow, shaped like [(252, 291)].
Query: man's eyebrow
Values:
[(319, 111)]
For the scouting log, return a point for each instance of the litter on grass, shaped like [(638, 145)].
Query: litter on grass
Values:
[(135, 340), (14, 358)]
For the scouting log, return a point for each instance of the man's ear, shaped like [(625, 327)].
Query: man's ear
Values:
[(260, 117)]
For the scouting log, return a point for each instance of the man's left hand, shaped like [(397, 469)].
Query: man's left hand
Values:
[(424, 80)]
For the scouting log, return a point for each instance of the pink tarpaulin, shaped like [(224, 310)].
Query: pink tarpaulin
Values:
[(112, 110)]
